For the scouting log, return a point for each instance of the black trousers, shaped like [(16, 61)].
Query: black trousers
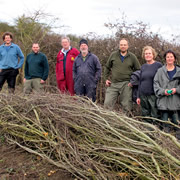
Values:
[(8, 75)]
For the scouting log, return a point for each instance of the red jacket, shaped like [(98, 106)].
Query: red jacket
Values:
[(68, 78)]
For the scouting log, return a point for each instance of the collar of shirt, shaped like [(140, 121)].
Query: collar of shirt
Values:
[(65, 51), (9, 45), (122, 57)]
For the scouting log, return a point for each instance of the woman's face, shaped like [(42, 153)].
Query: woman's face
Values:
[(170, 58), (148, 55)]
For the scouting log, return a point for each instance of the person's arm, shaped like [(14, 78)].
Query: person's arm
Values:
[(46, 68), (137, 65), (158, 90), (21, 56), (107, 68), (76, 52), (74, 70), (26, 73), (98, 69), (138, 100)]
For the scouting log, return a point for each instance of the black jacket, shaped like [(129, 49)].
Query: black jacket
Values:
[(135, 82)]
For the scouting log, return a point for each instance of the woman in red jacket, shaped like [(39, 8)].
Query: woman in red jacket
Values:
[(64, 66)]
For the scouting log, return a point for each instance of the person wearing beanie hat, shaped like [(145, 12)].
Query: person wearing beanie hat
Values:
[(86, 72), (83, 41), (64, 66)]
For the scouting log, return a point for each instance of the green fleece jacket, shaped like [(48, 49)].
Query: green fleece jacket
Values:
[(121, 71), (36, 66)]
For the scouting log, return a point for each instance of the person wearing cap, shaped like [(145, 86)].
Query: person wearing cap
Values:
[(36, 70), (86, 72), (118, 70), (64, 66), (9, 62)]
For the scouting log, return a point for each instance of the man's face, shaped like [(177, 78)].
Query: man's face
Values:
[(84, 48), (123, 46), (65, 44), (35, 48), (7, 39)]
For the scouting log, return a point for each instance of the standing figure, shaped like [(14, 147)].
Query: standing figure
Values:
[(36, 70), (120, 65), (167, 90), (86, 72), (64, 66), (146, 97), (9, 62)]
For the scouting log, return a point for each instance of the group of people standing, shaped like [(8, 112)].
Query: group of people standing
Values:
[(77, 72), (12, 59), (155, 87)]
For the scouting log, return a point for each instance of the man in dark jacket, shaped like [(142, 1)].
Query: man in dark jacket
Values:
[(86, 72), (36, 70)]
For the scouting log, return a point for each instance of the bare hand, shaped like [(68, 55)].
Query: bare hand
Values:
[(138, 101), (130, 85), (24, 80), (166, 93), (42, 81), (173, 90), (108, 83)]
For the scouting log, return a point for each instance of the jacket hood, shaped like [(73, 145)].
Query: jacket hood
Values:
[(177, 75)]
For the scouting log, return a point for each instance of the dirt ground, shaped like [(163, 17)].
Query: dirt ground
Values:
[(16, 164)]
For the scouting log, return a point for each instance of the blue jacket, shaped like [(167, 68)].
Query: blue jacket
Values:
[(9, 59), (88, 71)]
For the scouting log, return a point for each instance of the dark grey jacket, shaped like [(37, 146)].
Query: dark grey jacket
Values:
[(135, 82), (88, 71), (161, 83)]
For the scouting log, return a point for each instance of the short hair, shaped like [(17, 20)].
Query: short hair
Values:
[(170, 51), (65, 37), (7, 34), (124, 39), (35, 43), (152, 49)]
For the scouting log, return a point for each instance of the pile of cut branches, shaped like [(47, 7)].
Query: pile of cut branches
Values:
[(88, 141)]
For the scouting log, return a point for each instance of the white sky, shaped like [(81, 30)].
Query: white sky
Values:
[(83, 16)]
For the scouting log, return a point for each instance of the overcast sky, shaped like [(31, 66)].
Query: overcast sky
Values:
[(83, 16)]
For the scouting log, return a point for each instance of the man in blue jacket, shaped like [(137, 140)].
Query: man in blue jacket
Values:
[(9, 63), (86, 72)]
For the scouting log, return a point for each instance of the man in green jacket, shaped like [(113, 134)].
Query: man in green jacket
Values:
[(36, 70), (120, 65)]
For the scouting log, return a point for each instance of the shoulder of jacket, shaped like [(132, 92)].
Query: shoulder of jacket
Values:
[(15, 45), (132, 54), (115, 52), (73, 49), (162, 69), (42, 54), (30, 54)]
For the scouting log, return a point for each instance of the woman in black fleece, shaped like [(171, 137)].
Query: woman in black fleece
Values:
[(146, 97)]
